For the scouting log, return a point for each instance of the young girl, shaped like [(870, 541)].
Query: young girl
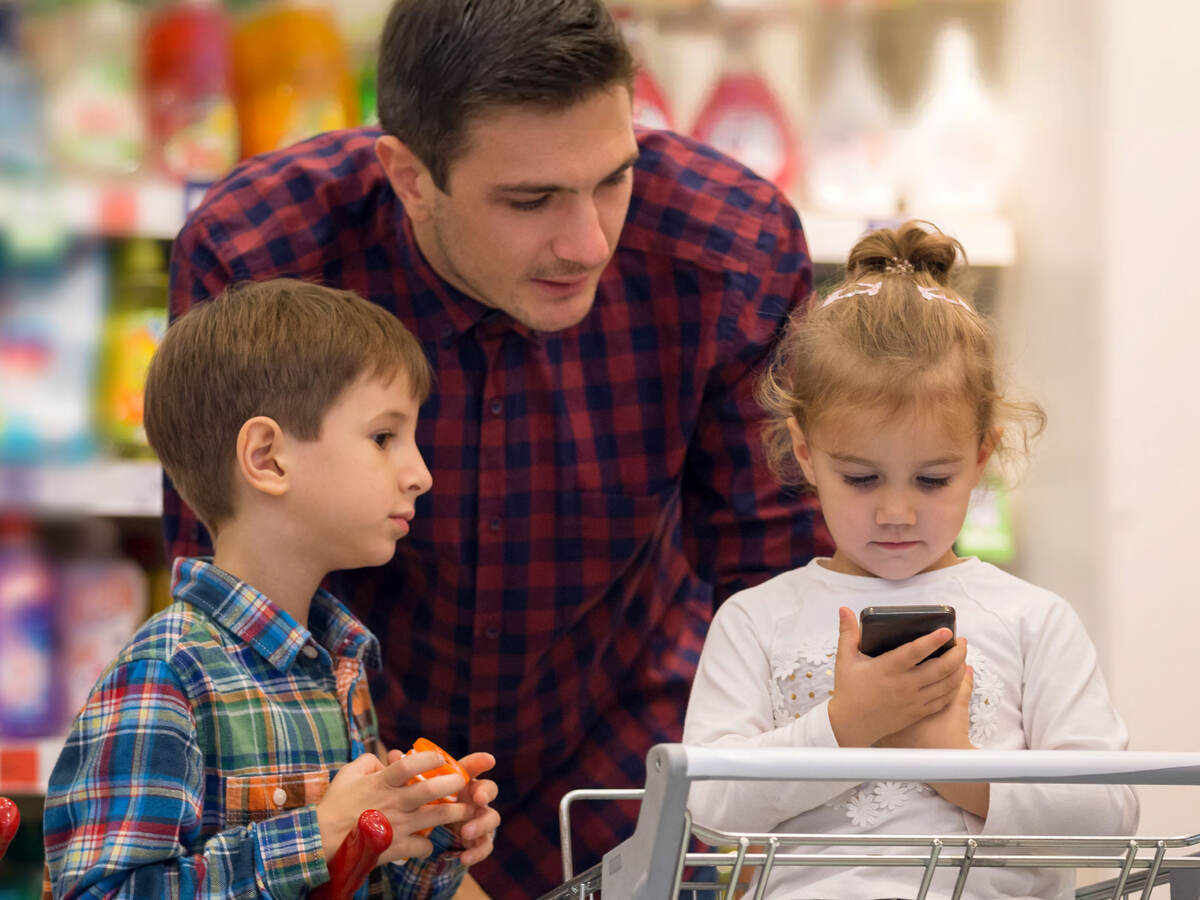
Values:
[(884, 400)]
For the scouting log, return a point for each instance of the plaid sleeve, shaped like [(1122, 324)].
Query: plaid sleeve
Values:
[(434, 878), (740, 525), (125, 802)]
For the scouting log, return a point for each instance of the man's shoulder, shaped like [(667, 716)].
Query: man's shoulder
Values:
[(334, 173), (692, 201)]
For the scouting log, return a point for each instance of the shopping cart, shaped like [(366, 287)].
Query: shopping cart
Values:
[(650, 865)]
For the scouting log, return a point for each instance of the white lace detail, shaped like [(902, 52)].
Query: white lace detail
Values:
[(986, 697), (802, 678)]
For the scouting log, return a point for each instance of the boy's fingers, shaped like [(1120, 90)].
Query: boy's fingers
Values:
[(484, 791), (431, 789), (475, 764), (399, 772)]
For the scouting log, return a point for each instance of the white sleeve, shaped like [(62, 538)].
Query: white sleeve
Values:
[(1065, 706), (730, 706)]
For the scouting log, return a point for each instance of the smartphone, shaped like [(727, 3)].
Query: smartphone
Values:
[(885, 628)]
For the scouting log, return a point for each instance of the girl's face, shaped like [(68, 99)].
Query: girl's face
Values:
[(893, 488)]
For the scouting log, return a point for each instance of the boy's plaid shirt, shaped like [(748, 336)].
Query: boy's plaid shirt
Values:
[(194, 767)]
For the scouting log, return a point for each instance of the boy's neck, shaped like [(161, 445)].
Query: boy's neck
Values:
[(284, 580)]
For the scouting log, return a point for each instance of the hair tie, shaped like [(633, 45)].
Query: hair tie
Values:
[(897, 266), (853, 290)]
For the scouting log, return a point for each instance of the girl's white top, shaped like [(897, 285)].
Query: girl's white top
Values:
[(765, 678)]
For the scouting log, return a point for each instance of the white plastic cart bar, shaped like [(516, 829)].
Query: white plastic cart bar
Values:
[(647, 866)]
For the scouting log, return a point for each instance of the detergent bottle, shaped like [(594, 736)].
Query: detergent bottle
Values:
[(187, 70), (133, 329), (743, 118), (291, 77)]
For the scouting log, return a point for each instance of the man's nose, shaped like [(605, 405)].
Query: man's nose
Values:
[(583, 240)]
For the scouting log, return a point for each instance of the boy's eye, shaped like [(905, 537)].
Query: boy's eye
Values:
[(859, 480), (929, 481), (529, 205), (381, 438)]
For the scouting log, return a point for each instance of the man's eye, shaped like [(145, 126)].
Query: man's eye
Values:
[(381, 439), (859, 480), (529, 205)]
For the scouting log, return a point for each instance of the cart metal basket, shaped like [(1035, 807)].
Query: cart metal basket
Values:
[(650, 865)]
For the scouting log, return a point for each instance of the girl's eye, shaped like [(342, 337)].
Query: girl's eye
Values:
[(529, 205), (381, 439), (858, 480), (928, 481)]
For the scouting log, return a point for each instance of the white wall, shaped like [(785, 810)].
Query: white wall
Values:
[(1104, 319)]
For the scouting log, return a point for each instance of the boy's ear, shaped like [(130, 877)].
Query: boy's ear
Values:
[(410, 178), (259, 450), (801, 450)]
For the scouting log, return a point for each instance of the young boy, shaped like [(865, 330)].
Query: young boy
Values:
[(285, 414)]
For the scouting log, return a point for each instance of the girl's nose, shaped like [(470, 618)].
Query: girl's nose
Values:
[(895, 509)]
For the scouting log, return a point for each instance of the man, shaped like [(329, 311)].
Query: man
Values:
[(595, 304)]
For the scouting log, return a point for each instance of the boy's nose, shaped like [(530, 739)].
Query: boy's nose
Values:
[(416, 477)]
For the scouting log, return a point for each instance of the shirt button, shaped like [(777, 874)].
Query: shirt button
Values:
[(280, 797), (447, 330), (496, 406), (492, 631), (309, 650), (494, 524)]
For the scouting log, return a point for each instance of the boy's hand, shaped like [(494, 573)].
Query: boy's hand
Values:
[(878, 696), (366, 783), (477, 824)]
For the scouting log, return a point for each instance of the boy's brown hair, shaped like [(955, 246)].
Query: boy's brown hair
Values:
[(285, 349), (896, 335)]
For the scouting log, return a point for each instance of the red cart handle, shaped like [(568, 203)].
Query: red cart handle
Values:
[(10, 818), (356, 857)]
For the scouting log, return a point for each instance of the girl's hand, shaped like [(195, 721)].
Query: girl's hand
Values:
[(878, 696), (944, 730), (947, 730), (476, 822), (366, 783)]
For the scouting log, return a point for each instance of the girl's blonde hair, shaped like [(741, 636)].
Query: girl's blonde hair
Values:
[(895, 336)]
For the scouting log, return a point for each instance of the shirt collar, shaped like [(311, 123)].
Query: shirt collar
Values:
[(251, 617)]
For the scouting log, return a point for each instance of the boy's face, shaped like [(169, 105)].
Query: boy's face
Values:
[(355, 485)]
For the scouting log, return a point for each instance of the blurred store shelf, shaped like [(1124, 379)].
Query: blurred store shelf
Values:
[(25, 765), (989, 241), (157, 208), (99, 488)]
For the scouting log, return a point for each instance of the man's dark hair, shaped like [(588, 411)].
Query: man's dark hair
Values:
[(443, 62)]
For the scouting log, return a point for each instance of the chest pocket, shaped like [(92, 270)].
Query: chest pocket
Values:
[(252, 798)]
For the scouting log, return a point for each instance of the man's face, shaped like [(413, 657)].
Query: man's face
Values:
[(534, 207)]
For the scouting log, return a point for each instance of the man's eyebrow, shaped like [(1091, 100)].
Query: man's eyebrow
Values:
[(531, 187)]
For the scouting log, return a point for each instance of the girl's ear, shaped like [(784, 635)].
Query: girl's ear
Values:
[(801, 450), (260, 445), (988, 444)]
